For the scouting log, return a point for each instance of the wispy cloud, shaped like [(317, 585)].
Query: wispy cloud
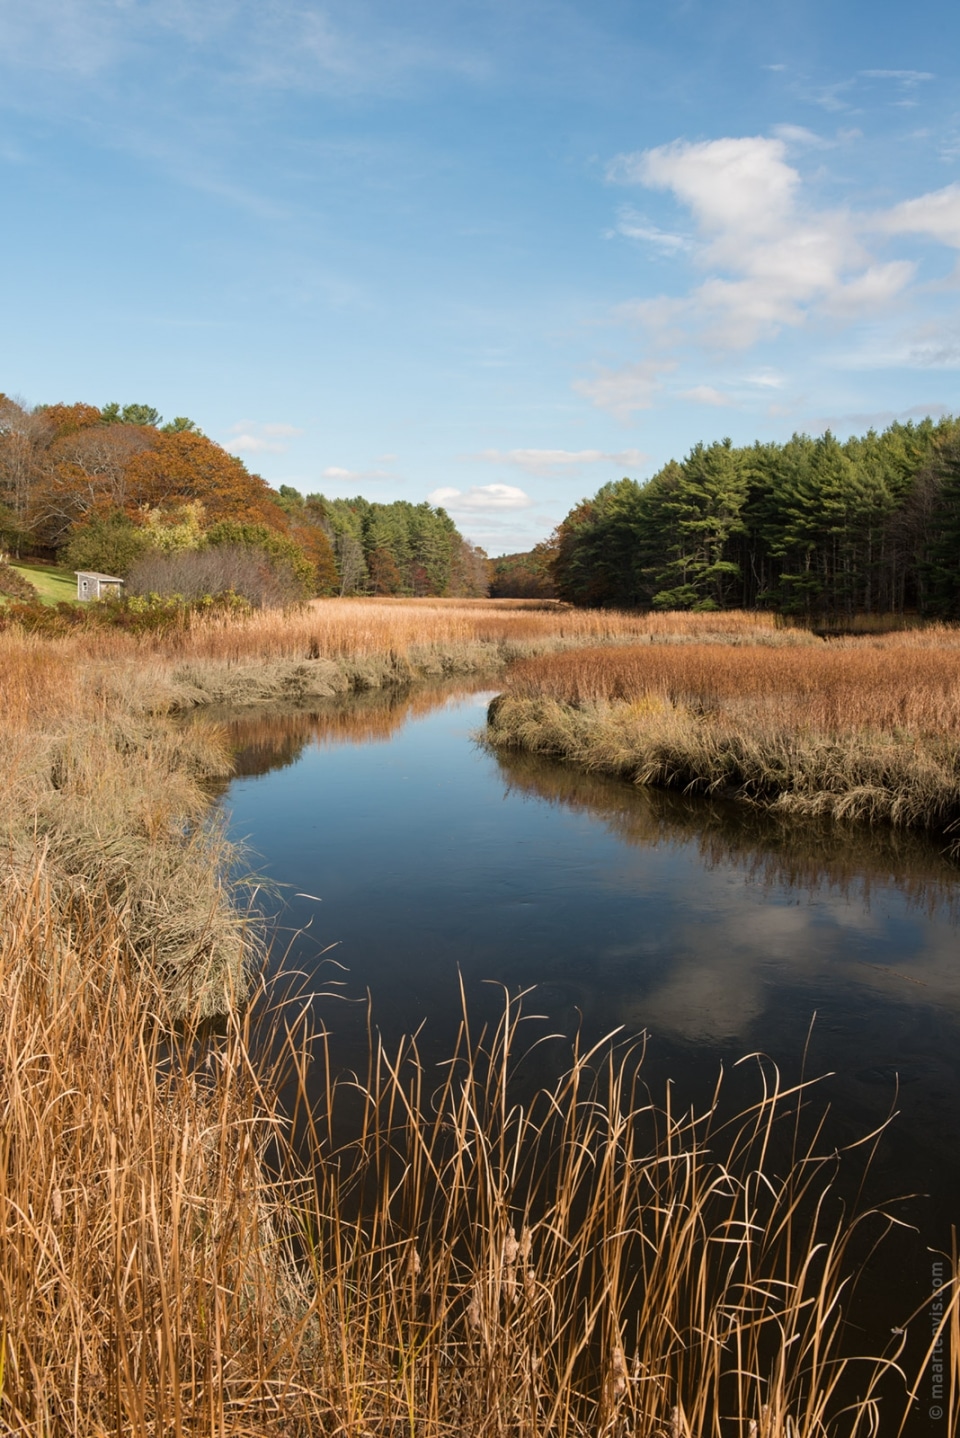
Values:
[(636, 227), (622, 392), (558, 461), (800, 136), (931, 345), (706, 394), (859, 420), (906, 77), (339, 475), (481, 497), (248, 437), (281, 45), (833, 98)]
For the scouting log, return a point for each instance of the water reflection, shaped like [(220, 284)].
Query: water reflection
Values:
[(811, 855), (265, 739), (715, 929), (854, 873), (734, 903)]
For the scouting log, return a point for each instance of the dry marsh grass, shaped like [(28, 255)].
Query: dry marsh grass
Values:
[(468, 1261), (329, 647), (895, 687), (339, 628), (117, 802), (860, 729)]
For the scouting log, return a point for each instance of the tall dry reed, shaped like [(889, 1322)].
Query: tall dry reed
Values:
[(338, 628), (417, 1251), (896, 687)]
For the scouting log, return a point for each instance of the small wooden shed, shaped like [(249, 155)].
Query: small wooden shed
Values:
[(91, 585)]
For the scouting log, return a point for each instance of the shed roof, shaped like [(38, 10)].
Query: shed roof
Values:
[(93, 574)]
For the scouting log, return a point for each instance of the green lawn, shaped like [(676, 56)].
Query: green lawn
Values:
[(53, 584)]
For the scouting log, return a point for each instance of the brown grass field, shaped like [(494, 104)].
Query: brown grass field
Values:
[(422, 1252), (848, 728), (355, 627)]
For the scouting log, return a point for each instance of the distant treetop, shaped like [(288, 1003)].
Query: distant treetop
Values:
[(130, 414)]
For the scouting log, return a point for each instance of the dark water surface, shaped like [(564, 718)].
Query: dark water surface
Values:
[(716, 931)]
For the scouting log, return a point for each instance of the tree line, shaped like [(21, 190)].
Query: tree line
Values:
[(115, 489), (812, 527), (389, 549)]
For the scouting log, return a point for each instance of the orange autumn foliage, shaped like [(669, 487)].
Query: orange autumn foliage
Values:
[(179, 468), (68, 418)]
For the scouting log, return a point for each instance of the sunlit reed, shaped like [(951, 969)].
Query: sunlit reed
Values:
[(427, 1251)]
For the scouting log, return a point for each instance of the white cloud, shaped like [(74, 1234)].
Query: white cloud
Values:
[(624, 391), (873, 289), (553, 461), (282, 431), (250, 444), (481, 497), (772, 260), (705, 394), (636, 227), (936, 214), (730, 184)]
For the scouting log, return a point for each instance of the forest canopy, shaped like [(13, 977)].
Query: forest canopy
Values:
[(810, 527)]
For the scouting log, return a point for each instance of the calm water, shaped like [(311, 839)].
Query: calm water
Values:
[(411, 855)]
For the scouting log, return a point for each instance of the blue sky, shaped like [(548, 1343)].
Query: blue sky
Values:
[(489, 253)]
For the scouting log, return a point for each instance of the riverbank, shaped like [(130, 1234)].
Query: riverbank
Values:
[(851, 729)]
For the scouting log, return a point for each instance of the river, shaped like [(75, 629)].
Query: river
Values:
[(408, 858)]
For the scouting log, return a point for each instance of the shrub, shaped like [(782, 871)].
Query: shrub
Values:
[(110, 544), (135, 614), (16, 586), (281, 549), (265, 581)]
